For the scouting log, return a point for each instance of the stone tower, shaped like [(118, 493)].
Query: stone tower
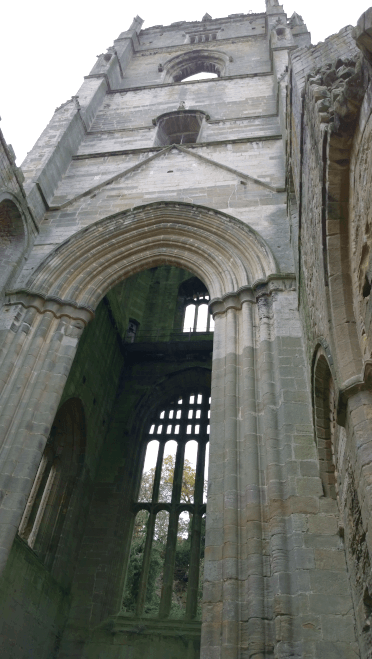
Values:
[(149, 196)]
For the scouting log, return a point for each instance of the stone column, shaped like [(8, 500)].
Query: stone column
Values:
[(35, 360), (233, 588), (251, 564), (219, 629)]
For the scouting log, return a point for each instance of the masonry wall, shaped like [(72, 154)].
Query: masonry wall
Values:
[(327, 157), (149, 371), (36, 599), (287, 557)]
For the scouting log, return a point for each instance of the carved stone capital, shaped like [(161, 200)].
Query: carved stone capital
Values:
[(251, 294), (44, 303)]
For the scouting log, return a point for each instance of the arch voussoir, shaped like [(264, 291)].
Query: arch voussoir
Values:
[(87, 265)]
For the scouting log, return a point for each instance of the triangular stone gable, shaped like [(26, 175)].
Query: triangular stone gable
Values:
[(144, 163)]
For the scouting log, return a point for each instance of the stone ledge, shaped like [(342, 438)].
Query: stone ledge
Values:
[(44, 303), (275, 282)]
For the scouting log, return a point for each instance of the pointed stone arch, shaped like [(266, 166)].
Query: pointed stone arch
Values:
[(325, 405), (223, 252), (13, 237), (337, 249)]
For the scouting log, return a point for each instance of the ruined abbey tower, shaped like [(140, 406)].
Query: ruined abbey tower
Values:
[(185, 291)]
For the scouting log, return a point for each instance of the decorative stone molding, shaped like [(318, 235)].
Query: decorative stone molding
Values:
[(44, 303), (195, 61), (274, 283), (224, 252)]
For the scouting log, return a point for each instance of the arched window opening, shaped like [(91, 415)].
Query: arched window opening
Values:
[(163, 576), (179, 127), (202, 75), (326, 427), (196, 67), (45, 512), (200, 60), (132, 330), (196, 312), (12, 240)]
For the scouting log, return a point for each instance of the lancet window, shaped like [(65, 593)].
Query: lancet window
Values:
[(197, 317), (43, 518)]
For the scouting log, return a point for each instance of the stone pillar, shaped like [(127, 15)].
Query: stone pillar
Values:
[(233, 588), (219, 637), (251, 564), (34, 364)]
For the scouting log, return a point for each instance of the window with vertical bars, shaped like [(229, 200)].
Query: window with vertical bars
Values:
[(197, 317), (166, 560)]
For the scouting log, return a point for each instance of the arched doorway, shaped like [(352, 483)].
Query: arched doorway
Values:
[(236, 266)]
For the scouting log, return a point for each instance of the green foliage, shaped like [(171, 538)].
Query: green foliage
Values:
[(134, 574), (182, 556)]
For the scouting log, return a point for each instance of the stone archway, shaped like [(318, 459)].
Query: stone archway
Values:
[(49, 316), (224, 252)]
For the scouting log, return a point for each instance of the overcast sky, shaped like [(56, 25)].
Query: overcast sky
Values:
[(47, 47)]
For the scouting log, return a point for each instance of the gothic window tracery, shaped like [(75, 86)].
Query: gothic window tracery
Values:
[(168, 529)]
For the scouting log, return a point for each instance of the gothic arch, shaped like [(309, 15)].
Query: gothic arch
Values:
[(195, 61), (324, 401), (222, 251), (337, 251), (13, 237)]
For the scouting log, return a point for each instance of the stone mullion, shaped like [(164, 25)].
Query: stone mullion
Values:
[(142, 588), (43, 503), (253, 633), (157, 475), (170, 552), (33, 495), (196, 316), (193, 584)]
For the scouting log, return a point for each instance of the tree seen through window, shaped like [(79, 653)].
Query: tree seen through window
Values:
[(166, 562)]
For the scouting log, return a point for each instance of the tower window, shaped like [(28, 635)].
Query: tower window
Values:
[(180, 127), (197, 316), (203, 75), (163, 576), (196, 313)]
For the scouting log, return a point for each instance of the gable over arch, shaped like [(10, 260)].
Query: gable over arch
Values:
[(222, 251)]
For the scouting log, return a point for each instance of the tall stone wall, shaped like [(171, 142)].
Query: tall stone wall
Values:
[(329, 112), (257, 183)]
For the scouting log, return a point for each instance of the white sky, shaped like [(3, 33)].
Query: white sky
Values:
[(47, 47)]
